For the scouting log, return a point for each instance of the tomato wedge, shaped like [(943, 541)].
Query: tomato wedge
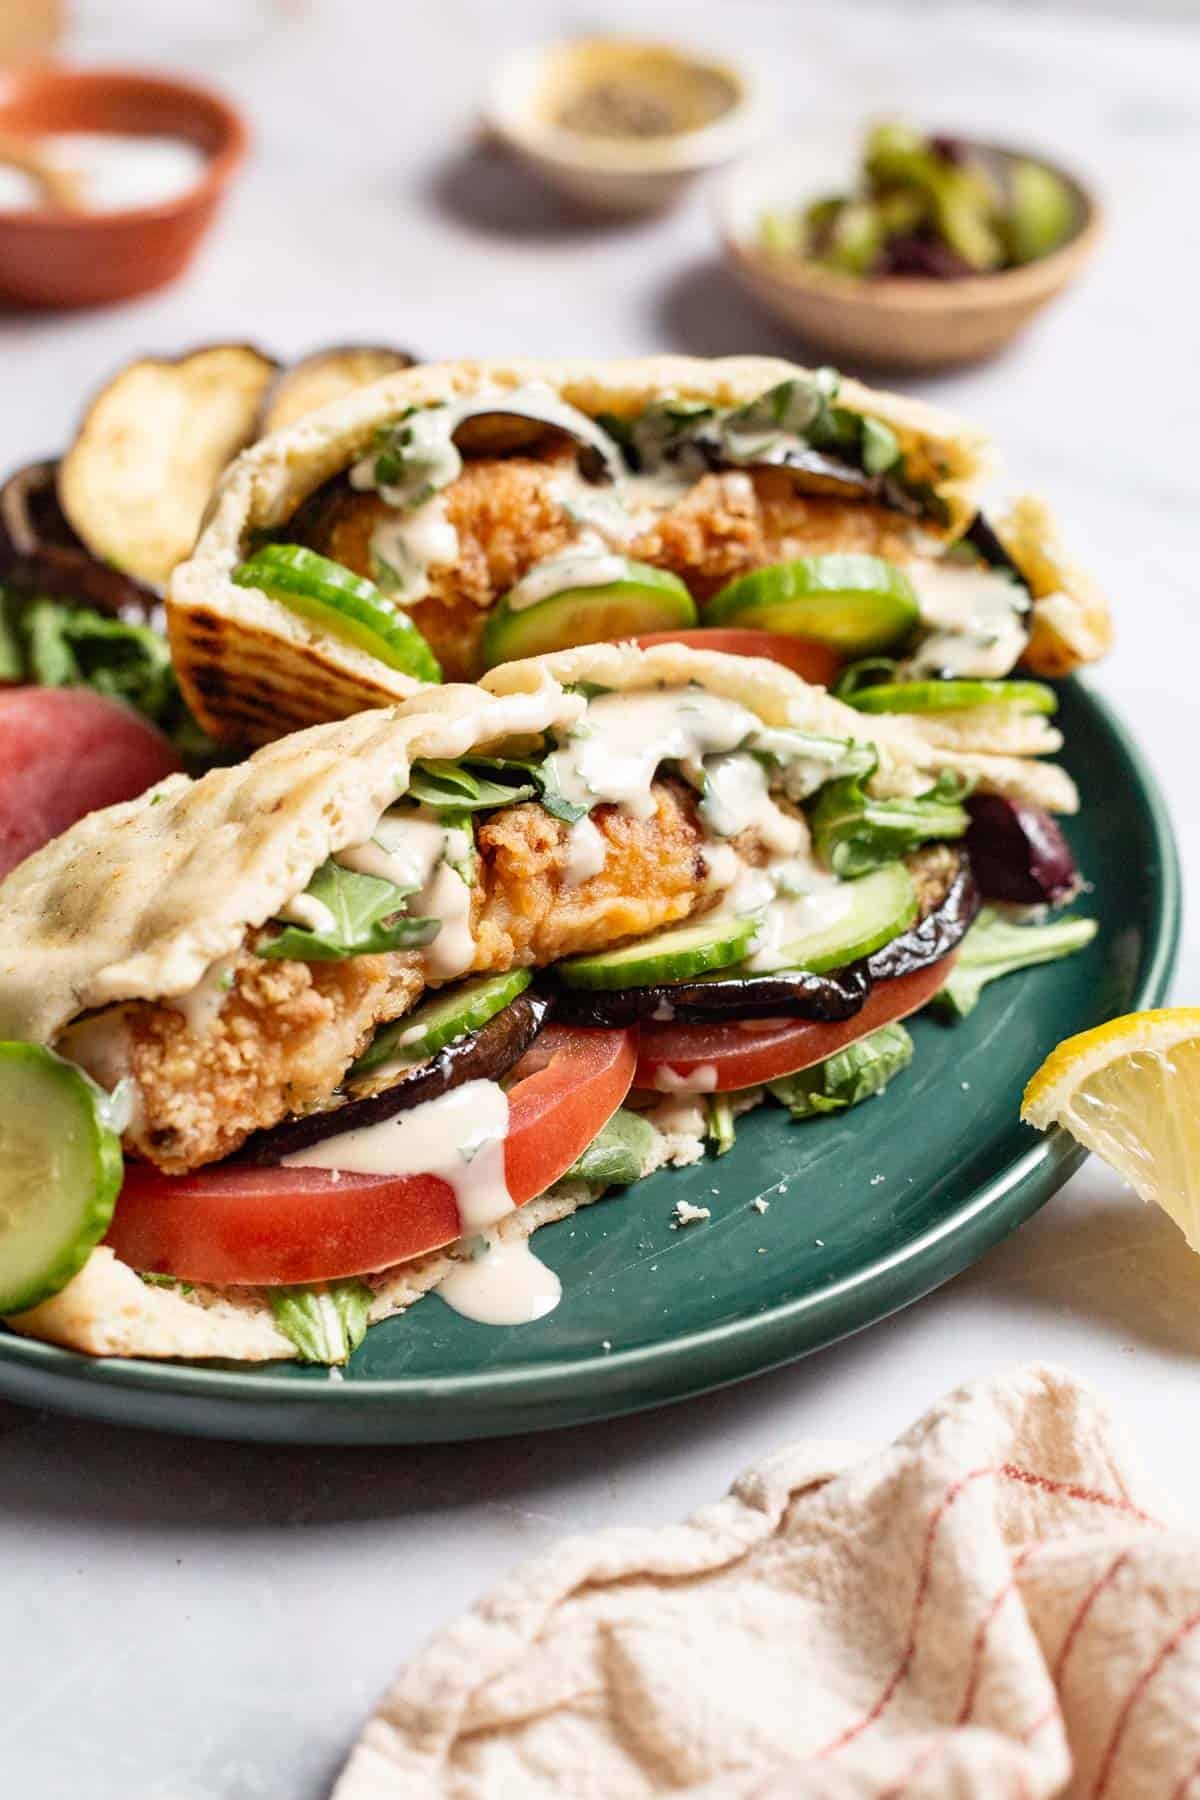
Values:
[(809, 659), (740, 1055), (64, 752), (236, 1225)]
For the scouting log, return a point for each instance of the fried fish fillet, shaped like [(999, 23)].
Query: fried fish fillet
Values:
[(281, 1039), (510, 512)]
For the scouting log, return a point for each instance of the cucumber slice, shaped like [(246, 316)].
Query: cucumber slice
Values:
[(856, 604), (882, 905), (645, 599), (60, 1173), (675, 955), (953, 696), (345, 604), (437, 1022)]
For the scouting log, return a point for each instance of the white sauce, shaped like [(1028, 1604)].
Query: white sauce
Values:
[(507, 1285), (975, 627), (202, 1006), (308, 911), (785, 922), (631, 734), (587, 848), (109, 171), (700, 1080), (405, 548), (100, 1045), (414, 850), (599, 509), (588, 564), (737, 798), (458, 1137), (447, 897)]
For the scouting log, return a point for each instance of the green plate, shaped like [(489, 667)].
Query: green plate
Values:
[(867, 1212)]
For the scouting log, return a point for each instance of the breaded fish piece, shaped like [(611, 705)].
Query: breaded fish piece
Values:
[(510, 512), (209, 1075)]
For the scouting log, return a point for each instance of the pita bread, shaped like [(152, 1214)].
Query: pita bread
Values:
[(1071, 622), (251, 669), (139, 900)]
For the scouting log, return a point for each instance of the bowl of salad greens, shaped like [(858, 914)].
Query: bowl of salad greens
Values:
[(936, 249)]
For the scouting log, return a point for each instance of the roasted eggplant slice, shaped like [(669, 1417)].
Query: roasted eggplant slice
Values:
[(797, 996), (135, 482), (941, 930), (39, 551), (326, 375), (481, 1055)]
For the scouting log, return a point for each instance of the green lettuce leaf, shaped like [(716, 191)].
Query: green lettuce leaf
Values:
[(617, 1154), (856, 1073), (994, 946), (720, 1128), (368, 919), (326, 1323), (853, 832)]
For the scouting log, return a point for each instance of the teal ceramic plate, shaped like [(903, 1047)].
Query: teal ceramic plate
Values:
[(866, 1212)]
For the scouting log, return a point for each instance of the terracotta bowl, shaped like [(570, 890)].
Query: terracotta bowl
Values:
[(50, 258), (903, 322)]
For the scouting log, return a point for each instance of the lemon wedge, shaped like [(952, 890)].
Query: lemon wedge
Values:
[(1130, 1091)]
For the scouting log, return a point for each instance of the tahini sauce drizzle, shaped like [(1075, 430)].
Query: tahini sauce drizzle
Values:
[(975, 621), (507, 1285), (458, 1137)]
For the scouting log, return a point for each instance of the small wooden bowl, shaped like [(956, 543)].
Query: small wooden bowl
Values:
[(614, 175), (905, 322), (60, 259)]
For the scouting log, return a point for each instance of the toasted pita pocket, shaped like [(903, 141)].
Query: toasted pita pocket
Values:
[(252, 669), (137, 902), (1071, 622)]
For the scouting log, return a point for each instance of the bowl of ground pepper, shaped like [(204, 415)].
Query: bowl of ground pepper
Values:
[(619, 125)]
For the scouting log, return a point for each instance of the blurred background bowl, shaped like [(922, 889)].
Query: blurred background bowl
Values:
[(616, 174), (51, 258), (902, 321)]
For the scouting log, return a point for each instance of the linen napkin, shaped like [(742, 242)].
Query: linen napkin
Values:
[(994, 1605)]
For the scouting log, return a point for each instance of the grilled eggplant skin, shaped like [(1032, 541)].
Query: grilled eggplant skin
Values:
[(826, 999), (481, 1055)]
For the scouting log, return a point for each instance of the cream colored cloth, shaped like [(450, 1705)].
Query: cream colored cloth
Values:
[(993, 1606)]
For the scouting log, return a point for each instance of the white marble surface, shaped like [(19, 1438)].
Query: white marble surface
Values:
[(197, 1621)]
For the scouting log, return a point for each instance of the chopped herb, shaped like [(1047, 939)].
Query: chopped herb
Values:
[(166, 1281), (994, 946)]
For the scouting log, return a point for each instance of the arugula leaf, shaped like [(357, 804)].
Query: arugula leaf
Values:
[(326, 1323), (854, 833), (719, 1125), (544, 777), (367, 919), (458, 788), (617, 1154), (856, 1073), (994, 946)]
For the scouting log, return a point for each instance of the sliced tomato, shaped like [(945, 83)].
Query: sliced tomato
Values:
[(251, 1226), (810, 660), (63, 753), (722, 1057)]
